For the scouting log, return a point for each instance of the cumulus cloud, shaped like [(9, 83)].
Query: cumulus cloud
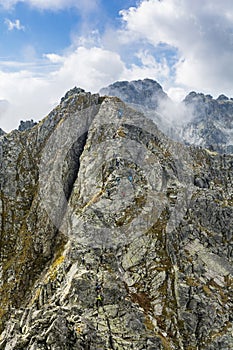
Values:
[(201, 32), (147, 66), (196, 38), (14, 25), (32, 96), (90, 68), (26, 95)]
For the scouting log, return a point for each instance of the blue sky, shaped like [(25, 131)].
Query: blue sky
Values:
[(43, 31), (48, 30), (49, 46)]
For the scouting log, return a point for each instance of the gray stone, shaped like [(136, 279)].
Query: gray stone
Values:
[(113, 236)]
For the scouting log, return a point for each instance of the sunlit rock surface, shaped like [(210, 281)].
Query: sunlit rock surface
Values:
[(112, 235)]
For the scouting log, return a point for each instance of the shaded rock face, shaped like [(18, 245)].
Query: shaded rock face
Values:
[(199, 120), (212, 126), (25, 125), (147, 92), (112, 235)]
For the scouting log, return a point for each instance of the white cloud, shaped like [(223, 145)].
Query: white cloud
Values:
[(54, 58), (174, 112), (200, 31), (14, 25), (32, 96), (177, 94), (4, 105), (147, 67), (27, 98), (198, 34), (89, 68), (7, 3)]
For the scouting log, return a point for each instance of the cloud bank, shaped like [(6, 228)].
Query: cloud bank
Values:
[(184, 45), (32, 96), (201, 32)]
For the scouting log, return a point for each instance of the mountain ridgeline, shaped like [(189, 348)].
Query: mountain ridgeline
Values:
[(198, 120), (113, 235)]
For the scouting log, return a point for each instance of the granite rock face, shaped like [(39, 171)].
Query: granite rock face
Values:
[(147, 92), (112, 235), (212, 124), (198, 120)]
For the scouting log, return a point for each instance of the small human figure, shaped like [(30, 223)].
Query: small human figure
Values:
[(99, 300)]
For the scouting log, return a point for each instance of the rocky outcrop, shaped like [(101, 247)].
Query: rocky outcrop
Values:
[(212, 123), (25, 125), (147, 92), (113, 236), (2, 132), (27, 233), (199, 120)]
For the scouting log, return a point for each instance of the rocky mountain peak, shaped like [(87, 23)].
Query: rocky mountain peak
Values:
[(200, 119), (72, 92), (212, 122), (113, 236), (25, 125), (194, 97), (222, 98), (145, 92)]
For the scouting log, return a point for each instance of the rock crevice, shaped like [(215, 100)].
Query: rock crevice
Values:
[(113, 236)]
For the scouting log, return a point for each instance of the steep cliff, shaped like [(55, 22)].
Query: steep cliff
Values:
[(112, 235)]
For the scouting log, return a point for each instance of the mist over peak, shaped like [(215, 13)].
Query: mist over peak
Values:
[(199, 119)]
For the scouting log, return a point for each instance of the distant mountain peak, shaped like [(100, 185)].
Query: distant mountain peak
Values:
[(222, 98), (74, 91), (146, 92), (200, 119)]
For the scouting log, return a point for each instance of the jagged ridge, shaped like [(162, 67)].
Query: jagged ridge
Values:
[(199, 120), (105, 204)]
